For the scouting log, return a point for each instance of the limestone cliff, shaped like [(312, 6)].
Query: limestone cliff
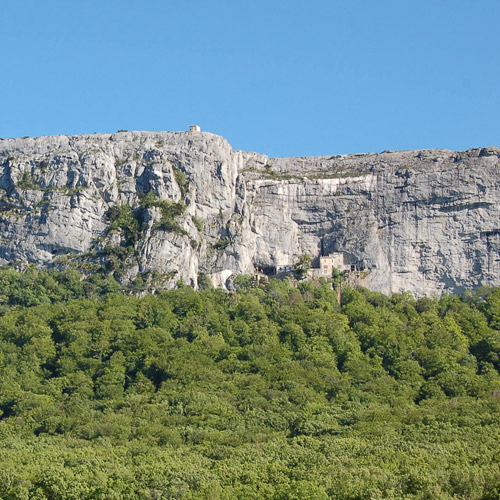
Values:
[(169, 206)]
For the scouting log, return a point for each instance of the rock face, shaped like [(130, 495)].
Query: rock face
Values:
[(169, 206)]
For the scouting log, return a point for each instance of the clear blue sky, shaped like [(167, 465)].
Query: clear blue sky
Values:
[(285, 78)]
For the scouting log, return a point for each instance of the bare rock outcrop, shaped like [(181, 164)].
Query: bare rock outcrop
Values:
[(168, 206)]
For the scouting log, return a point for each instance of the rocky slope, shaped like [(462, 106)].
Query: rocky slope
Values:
[(168, 206)]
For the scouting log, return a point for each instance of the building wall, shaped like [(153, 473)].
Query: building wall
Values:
[(328, 262)]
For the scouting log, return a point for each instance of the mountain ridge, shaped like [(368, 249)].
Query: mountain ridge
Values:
[(177, 205)]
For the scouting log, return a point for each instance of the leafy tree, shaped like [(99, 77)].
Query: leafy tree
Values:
[(303, 265)]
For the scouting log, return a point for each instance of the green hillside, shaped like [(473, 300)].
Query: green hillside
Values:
[(269, 393)]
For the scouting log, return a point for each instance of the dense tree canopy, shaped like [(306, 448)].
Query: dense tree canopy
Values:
[(273, 392)]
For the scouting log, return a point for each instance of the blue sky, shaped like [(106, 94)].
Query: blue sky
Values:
[(285, 78)]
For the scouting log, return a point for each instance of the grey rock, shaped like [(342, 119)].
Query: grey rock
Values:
[(422, 221)]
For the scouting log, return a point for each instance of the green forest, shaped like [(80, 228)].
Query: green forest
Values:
[(272, 392)]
